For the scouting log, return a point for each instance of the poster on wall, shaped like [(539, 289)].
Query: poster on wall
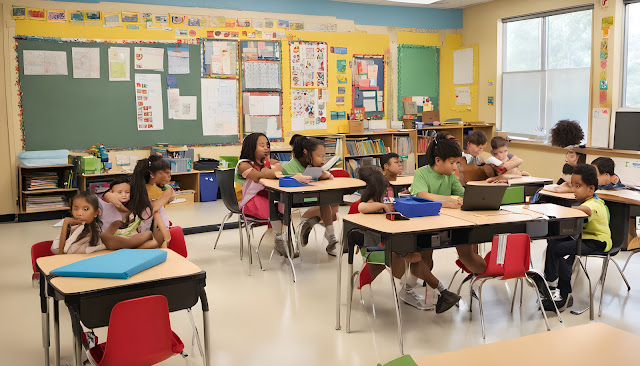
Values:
[(38, 62), (219, 107), (119, 63), (86, 62), (149, 112), (308, 64), (308, 107)]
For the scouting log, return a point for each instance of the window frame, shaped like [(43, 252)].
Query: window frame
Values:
[(625, 54), (544, 44)]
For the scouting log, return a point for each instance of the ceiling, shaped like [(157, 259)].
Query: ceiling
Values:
[(441, 4)]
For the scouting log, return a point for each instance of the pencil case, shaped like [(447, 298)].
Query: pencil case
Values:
[(417, 207)]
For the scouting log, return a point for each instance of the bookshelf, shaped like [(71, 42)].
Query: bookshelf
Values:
[(45, 188), (459, 131), (367, 148)]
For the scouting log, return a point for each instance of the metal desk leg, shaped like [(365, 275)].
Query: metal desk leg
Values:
[(56, 330), (350, 285), (44, 308), (398, 313), (286, 223), (339, 284), (77, 335), (205, 326)]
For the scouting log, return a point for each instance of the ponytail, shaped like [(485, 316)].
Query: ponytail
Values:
[(303, 147), (139, 201)]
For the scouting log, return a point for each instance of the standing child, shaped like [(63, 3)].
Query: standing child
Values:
[(81, 232), (509, 163), (139, 227), (309, 151), (596, 236), (253, 165), (437, 182)]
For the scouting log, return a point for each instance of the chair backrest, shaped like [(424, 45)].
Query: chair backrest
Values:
[(617, 237), (227, 190), (354, 207), (516, 259), (139, 333), (177, 242), (339, 173), (38, 250)]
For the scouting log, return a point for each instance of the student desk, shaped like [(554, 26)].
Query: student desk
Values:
[(451, 228), (620, 203), (599, 344), (531, 184), (90, 300), (320, 193), (401, 183)]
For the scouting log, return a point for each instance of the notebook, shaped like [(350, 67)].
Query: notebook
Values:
[(120, 264)]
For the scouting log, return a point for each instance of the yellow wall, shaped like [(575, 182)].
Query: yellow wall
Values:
[(7, 197)]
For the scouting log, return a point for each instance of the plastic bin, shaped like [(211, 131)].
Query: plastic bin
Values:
[(513, 194), (417, 207), (208, 187), (231, 161)]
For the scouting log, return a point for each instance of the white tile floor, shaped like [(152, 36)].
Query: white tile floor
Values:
[(265, 319)]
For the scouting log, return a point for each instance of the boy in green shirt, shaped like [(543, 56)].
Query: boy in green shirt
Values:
[(437, 182), (596, 236)]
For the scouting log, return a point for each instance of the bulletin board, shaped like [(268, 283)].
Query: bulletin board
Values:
[(373, 93), (418, 73), (61, 112)]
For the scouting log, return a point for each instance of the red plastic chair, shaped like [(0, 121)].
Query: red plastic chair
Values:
[(177, 242), (38, 250), (139, 334), (516, 266), (339, 173)]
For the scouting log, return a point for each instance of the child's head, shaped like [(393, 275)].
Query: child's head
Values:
[(443, 154), (121, 188), (605, 169), (574, 158), (566, 133), (584, 181), (475, 142), (85, 207), (377, 183), (155, 170), (499, 148), (391, 163), (255, 147), (309, 151)]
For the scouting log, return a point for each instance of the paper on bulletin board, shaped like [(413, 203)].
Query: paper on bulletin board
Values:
[(86, 62), (463, 95), (119, 63), (463, 66), (221, 58), (187, 108), (369, 105), (261, 75), (270, 126), (149, 58), (308, 64), (45, 62), (219, 106), (173, 102), (178, 60), (150, 114), (261, 105), (308, 110)]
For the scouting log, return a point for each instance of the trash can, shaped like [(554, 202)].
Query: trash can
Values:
[(208, 187)]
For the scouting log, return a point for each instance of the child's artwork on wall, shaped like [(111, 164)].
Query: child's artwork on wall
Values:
[(149, 112), (308, 64), (308, 109)]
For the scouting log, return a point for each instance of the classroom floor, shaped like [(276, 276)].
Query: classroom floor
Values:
[(266, 319)]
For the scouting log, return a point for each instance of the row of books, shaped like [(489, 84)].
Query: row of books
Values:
[(423, 143), (353, 165), (331, 145), (44, 180), (36, 203), (281, 156), (365, 147), (403, 145)]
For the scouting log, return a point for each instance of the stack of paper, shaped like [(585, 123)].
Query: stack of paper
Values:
[(41, 181)]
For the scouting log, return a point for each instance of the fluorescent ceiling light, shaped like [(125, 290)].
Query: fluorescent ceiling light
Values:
[(421, 2)]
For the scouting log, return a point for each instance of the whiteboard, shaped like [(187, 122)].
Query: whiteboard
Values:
[(463, 66)]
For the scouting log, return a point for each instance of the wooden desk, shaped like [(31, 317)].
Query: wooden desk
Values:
[(90, 300), (324, 192), (597, 344), (451, 228), (401, 183)]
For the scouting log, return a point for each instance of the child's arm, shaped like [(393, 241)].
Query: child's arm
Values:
[(163, 230), (64, 232), (167, 196), (514, 162), (447, 201), (112, 199), (565, 187), (584, 208), (325, 175), (248, 172), (372, 206)]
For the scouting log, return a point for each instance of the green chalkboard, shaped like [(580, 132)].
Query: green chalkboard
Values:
[(418, 73), (61, 112)]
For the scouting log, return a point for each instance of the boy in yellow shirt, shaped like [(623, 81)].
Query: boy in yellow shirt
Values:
[(596, 236)]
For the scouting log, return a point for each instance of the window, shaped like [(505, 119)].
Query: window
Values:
[(546, 71), (631, 89)]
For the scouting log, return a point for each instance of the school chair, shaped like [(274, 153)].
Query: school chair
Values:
[(405, 360), (228, 194), (177, 242), (634, 251), (38, 250), (516, 262), (339, 173), (139, 333)]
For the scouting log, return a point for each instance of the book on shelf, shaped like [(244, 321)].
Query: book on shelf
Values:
[(403, 145), (423, 143), (45, 180), (366, 147), (282, 156), (353, 165), (45, 202)]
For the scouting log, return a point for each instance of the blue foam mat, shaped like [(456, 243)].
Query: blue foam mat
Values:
[(120, 264)]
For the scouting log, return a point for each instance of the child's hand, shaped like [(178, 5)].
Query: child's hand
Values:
[(497, 180), (73, 221), (302, 178), (388, 207), (453, 202)]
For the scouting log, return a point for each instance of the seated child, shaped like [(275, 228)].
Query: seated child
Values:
[(509, 167), (138, 227), (81, 232), (391, 169), (309, 151), (471, 162), (596, 236), (607, 179), (437, 182), (567, 133)]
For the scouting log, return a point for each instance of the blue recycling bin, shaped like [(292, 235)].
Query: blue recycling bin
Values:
[(208, 187)]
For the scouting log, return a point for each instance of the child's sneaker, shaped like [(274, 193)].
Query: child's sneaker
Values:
[(446, 301), (305, 229), (411, 297), (332, 247)]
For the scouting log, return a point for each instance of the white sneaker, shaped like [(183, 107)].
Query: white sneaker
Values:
[(332, 247), (432, 298), (304, 229), (411, 297)]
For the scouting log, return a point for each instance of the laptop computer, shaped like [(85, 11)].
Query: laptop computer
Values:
[(483, 196)]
